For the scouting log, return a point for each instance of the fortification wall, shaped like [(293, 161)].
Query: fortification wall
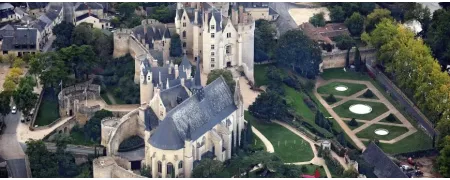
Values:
[(108, 167), (121, 38), (337, 59), (129, 125)]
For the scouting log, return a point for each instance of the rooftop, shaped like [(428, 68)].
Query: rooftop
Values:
[(384, 167), (326, 33)]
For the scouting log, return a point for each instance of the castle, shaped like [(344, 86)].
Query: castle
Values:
[(181, 121), (221, 36)]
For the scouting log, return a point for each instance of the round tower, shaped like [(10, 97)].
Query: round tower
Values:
[(146, 85)]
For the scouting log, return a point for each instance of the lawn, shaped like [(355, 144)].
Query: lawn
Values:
[(288, 146), (395, 122), (414, 142), (354, 127), (48, 109), (330, 88), (377, 109), (257, 142), (339, 73), (369, 132)]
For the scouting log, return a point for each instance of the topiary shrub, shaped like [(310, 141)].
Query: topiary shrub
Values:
[(368, 94), (304, 169), (330, 99), (391, 118), (353, 123)]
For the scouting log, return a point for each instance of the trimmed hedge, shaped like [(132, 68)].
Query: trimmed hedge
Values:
[(368, 94), (331, 99)]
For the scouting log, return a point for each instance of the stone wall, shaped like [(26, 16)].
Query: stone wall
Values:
[(337, 59), (108, 167), (63, 128), (71, 98)]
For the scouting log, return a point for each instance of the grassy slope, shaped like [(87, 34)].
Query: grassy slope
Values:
[(291, 152)]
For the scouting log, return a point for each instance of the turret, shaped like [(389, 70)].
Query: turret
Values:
[(188, 153), (146, 85)]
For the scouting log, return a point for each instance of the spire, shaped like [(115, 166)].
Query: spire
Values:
[(197, 79)]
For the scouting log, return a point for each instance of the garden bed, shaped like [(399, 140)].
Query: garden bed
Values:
[(330, 88), (344, 112), (369, 132)]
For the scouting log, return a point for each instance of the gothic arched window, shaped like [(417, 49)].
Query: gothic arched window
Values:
[(180, 165), (184, 34), (159, 167)]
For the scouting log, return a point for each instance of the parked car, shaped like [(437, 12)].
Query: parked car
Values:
[(14, 110)]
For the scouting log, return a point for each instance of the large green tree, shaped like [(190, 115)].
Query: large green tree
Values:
[(264, 40), (375, 17), (226, 74), (82, 34), (24, 97), (92, 128), (318, 19), (268, 106), (175, 46), (80, 59), (63, 32), (163, 14), (5, 108), (42, 163), (355, 24), (208, 168), (337, 14), (296, 50), (444, 158), (344, 42), (438, 37), (50, 68)]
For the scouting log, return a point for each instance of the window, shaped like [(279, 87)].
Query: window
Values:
[(200, 34), (212, 65), (212, 35), (212, 53), (184, 44), (159, 166), (228, 49), (213, 59), (184, 18), (212, 46), (180, 165), (184, 24), (212, 26), (184, 34), (228, 35), (170, 171)]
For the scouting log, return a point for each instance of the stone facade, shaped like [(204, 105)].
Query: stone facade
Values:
[(336, 59), (72, 100)]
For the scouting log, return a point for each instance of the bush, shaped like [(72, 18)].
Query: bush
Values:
[(304, 169), (368, 94), (331, 99), (309, 103), (353, 123), (391, 118), (309, 85), (291, 82)]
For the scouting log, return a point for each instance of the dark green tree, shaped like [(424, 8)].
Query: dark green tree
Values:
[(344, 42), (337, 14), (355, 24), (249, 133), (353, 122), (331, 99), (318, 19), (163, 14), (5, 108), (357, 60), (80, 59), (92, 129), (83, 34), (208, 168), (296, 50), (368, 94), (347, 58), (438, 36), (24, 97), (264, 40), (391, 118), (63, 32), (268, 106), (175, 46), (42, 163), (226, 74)]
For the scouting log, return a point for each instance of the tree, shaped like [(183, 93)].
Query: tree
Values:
[(83, 34), (42, 163), (416, 11), (18, 62), (438, 36), (296, 50), (81, 59), (347, 59), (331, 99), (366, 7), (10, 59), (355, 24), (317, 19), (337, 14), (391, 118), (249, 133), (208, 168), (357, 60), (5, 108), (375, 17), (63, 32), (227, 76), (163, 14), (268, 106), (92, 128), (25, 98), (126, 9), (368, 94), (103, 44), (350, 173), (175, 46), (9, 85), (264, 40), (344, 42), (353, 122), (444, 158)]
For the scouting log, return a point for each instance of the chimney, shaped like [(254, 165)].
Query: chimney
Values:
[(182, 81), (176, 71), (170, 68), (241, 12), (234, 16), (195, 16), (206, 22)]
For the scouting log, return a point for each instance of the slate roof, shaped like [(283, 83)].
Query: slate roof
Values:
[(19, 11), (194, 117), (272, 11), (45, 19), (6, 6), (173, 96), (21, 37), (6, 13), (150, 119), (39, 25), (36, 5), (86, 15), (52, 15), (217, 16), (163, 73), (87, 5), (184, 64), (384, 167)]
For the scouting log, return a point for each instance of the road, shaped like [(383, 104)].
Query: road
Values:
[(284, 21), (11, 150), (68, 11)]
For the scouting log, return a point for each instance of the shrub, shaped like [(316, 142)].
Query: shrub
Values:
[(391, 118), (291, 82), (368, 94), (330, 99), (353, 123), (309, 85), (309, 103), (304, 169)]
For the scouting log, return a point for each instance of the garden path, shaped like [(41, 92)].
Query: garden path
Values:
[(381, 99)]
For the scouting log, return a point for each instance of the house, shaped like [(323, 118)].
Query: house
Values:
[(383, 166), (260, 10), (36, 9), (45, 23), (20, 12), (324, 35), (94, 20), (7, 13), (18, 40), (82, 8)]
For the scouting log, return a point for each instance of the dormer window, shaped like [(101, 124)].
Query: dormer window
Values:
[(184, 17), (184, 24), (212, 27), (212, 35)]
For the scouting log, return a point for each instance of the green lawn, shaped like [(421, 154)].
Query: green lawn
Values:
[(353, 127), (260, 74), (396, 121), (257, 142), (369, 132), (414, 142), (79, 139), (291, 147), (377, 109), (337, 99), (48, 109), (339, 73), (330, 88)]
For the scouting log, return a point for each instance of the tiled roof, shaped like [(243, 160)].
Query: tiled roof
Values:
[(194, 117), (384, 166), (6, 13)]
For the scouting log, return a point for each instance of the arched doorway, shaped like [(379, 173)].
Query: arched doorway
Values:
[(170, 170)]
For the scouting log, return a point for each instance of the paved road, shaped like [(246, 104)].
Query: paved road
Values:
[(68, 11), (284, 21), (10, 148)]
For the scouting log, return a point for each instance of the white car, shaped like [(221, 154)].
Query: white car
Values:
[(14, 110)]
